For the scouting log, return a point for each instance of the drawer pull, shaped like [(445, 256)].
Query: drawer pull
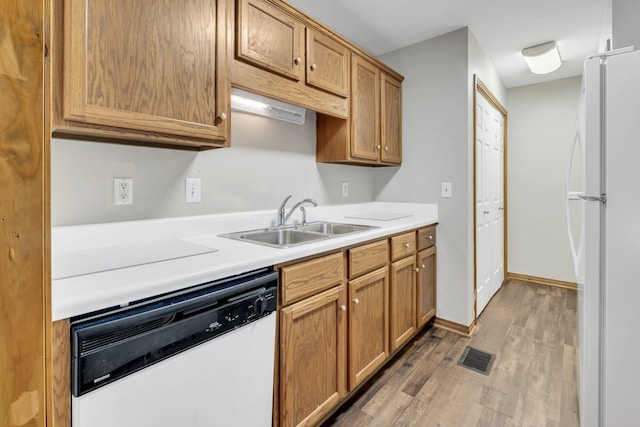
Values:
[(430, 237), (406, 245), (356, 300)]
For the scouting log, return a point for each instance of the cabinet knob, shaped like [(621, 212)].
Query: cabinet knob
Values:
[(313, 67), (297, 60), (223, 116), (406, 245), (416, 270), (430, 237), (424, 267), (343, 308), (356, 300), (378, 148), (386, 148)]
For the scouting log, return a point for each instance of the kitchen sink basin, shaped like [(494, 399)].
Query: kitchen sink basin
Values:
[(293, 235), (332, 228), (282, 237)]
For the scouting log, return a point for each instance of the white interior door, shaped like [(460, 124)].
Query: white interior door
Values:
[(489, 200)]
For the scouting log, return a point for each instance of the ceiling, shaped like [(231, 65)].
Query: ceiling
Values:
[(502, 27)]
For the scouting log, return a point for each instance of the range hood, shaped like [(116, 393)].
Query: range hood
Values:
[(252, 103)]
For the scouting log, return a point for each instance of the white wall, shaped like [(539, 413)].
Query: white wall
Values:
[(625, 17), (267, 160), (438, 147), (541, 126)]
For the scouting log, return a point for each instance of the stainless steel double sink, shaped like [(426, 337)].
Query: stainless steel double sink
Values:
[(293, 235)]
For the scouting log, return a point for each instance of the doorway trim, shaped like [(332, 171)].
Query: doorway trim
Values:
[(480, 88)]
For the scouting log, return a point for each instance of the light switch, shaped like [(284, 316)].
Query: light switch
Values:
[(446, 190), (192, 190)]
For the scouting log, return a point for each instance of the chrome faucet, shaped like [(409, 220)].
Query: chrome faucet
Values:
[(282, 217)]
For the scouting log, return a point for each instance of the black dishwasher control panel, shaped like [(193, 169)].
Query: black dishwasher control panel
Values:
[(113, 345)]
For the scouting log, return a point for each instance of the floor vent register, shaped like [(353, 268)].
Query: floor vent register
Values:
[(477, 360)]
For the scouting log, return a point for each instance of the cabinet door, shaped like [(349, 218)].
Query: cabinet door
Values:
[(365, 109), (327, 64), (391, 120), (368, 324), (312, 357), (426, 289), (402, 301), (269, 38), (151, 66)]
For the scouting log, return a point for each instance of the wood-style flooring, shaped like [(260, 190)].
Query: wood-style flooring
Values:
[(532, 330)]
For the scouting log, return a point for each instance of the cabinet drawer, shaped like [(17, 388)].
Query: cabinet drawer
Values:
[(309, 277), (403, 245), (426, 237), (368, 257)]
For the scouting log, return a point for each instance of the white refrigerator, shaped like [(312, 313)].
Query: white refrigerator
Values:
[(603, 214)]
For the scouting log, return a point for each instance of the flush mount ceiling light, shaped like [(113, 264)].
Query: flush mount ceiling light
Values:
[(252, 103), (543, 58)]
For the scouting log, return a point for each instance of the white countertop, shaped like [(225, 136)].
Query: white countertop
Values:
[(97, 266)]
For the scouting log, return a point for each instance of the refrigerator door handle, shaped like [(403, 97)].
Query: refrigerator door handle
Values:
[(576, 253), (601, 198)]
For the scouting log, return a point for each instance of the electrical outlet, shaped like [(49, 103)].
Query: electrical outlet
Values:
[(123, 191), (446, 190), (192, 190), (345, 189)]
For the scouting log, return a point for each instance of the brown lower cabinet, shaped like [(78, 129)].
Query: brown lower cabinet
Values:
[(402, 302), (333, 340), (313, 357), (368, 325)]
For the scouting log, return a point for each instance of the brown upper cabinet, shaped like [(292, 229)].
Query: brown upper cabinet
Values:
[(270, 38), (280, 56), (371, 136), (327, 63), (145, 71)]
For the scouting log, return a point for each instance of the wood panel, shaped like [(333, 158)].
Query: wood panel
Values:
[(426, 285), (365, 258), (365, 109), (426, 237), (60, 410), (368, 325), (327, 63), (312, 357), (403, 245), (24, 215), (166, 85), (402, 304), (270, 38), (306, 278), (391, 119)]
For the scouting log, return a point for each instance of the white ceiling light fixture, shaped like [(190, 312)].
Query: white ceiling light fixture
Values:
[(252, 103), (543, 58)]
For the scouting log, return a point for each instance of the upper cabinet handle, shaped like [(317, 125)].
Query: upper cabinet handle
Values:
[(223, 116)]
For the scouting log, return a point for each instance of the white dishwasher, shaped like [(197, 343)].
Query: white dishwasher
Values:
[(202, 357)]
